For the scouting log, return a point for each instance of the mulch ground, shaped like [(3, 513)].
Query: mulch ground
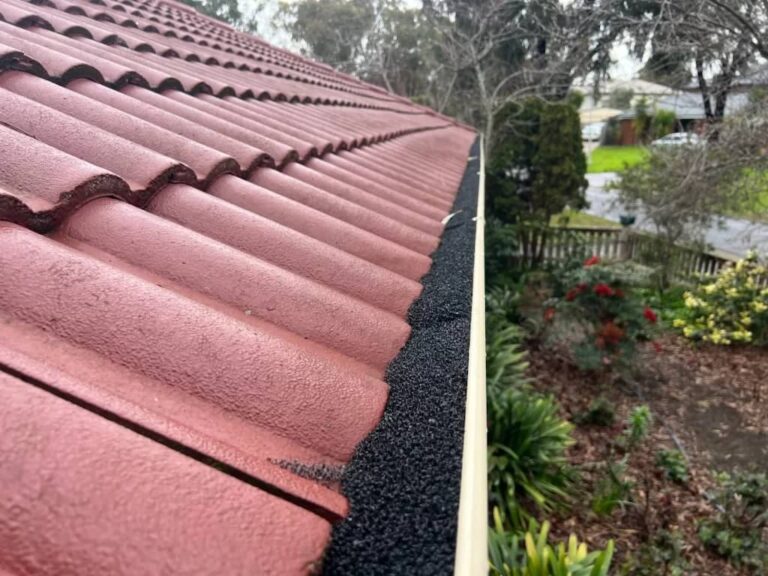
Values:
[(711, 401)]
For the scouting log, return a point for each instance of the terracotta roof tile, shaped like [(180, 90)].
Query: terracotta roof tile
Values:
[(235, 235)]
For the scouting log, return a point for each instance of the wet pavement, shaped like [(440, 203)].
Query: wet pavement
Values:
[(732, 235)]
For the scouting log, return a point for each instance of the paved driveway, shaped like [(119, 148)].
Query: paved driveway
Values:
[(733, 235)]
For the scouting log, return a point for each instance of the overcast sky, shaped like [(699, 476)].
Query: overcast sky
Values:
[(625, 66)]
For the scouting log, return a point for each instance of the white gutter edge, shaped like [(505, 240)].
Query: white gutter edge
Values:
[(472, 534)]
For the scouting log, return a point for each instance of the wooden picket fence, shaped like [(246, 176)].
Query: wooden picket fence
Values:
[(553, 245)]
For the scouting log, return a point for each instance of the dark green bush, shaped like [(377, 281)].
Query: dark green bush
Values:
[(599, 413), (537, 162), (661, 556), (673, 464)]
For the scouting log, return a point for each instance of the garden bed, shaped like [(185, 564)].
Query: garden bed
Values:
[(710, 401)]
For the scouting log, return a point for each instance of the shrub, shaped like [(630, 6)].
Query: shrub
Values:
[(537, 164), (663, 123), (673, 464), (539, 558), (663, 555), (737, 531), (611, 320), (732, 308), (599, 413), (501, 242), (526, 454)]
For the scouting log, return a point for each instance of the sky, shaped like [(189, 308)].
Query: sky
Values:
[(625, 66)]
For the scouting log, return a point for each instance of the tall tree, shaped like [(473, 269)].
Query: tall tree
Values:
[(537, 163), (230, 11), (332, 31), (716, 39), (506, 50)]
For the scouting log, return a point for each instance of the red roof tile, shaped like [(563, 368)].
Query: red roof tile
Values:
[(234, 237)]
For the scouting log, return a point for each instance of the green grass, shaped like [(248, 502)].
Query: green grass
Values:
[(615, 158), (574, 219)]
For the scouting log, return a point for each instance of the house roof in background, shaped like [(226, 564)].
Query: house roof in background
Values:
[(593, 115), (638, 86), (209, 247), (689, 106)]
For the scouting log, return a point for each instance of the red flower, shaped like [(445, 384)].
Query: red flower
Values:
[(603, 290), (573, 292), (610, 334), (656, 346), (650, 315), (591, 261), (549, 314)]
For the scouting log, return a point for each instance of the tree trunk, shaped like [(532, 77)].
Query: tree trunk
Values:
[(704, 89)]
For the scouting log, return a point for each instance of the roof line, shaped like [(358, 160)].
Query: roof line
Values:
[(472, 533)]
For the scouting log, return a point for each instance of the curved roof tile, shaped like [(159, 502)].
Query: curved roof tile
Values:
[(234, 238)]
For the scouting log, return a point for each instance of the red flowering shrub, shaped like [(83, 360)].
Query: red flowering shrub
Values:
[(603, 290), (611, 320)]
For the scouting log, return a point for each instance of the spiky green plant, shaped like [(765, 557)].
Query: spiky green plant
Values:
[(539, 558), (527, 466)]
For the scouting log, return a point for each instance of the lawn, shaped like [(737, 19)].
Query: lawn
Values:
[(615, 158), (574, 219)]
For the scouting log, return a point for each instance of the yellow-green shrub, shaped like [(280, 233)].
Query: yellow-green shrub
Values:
[(731, 309)]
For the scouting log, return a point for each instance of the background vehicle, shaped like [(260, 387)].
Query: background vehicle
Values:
[(678, 139), (593, 132)]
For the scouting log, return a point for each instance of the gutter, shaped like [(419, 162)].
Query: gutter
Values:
[(472, 534)]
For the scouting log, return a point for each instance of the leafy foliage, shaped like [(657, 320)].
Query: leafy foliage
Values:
[(638, 425), (663, 555), (610, 319), (539, 558), (673, 463), (338, 44), (733, 308), (526, 454), (506, 362), (663, 123), (527, 439), (599, 413), (501, 240), (643, 118), (229, 11), (537, 162), (738, 530), (613, 489)]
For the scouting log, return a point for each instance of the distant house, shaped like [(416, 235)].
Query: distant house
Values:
[(686, 104), (687, 107), (598, 109), (639, 88)]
